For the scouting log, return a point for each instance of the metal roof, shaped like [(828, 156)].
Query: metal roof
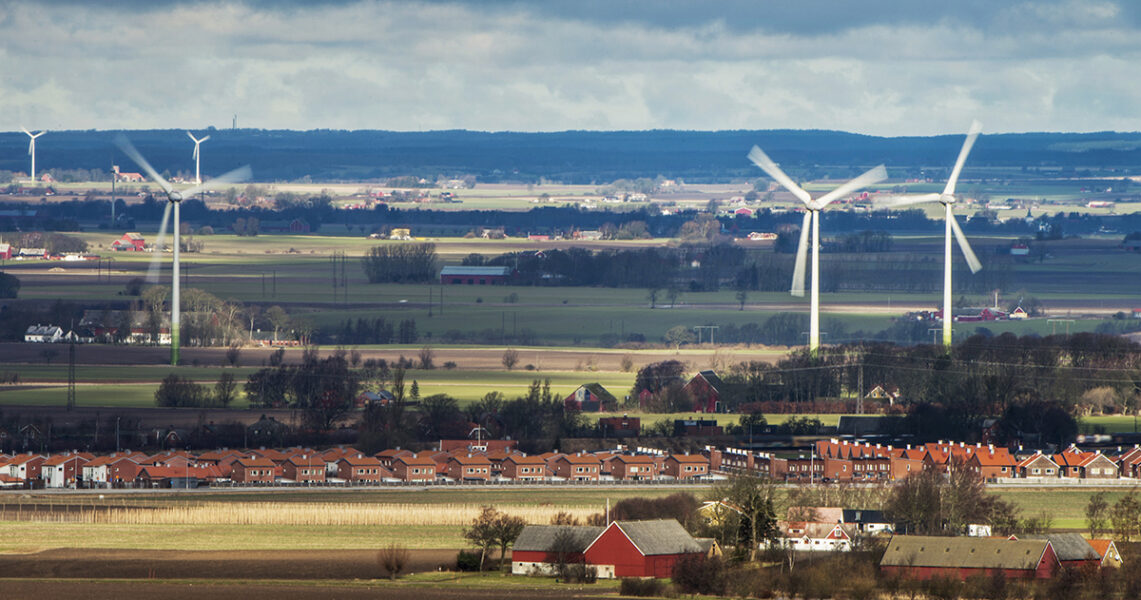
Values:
[(476, 271), (963, 552), (663, 536), (542, 538), (1068, 546)]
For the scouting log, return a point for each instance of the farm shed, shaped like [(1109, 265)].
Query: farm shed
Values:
[(705, 388), (641, 548), (475, 275), (1071, 548), (924, 557), (543, 547)]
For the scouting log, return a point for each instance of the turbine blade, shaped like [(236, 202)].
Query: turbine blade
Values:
[(972, 260), (25, 130), (972, 135), (129, 149), (191, 136), (767, 165), (896, 201), (32, 146), (203, 139), (797, 288), (872, 176), (239, 174), (156, 256)]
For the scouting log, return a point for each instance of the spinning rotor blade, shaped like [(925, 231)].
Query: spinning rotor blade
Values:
[(238, 174), (797, 288), (972, 260), (872, 176), (896, 201), (767, 165), (129, 149), (972, 135), (156, 256)]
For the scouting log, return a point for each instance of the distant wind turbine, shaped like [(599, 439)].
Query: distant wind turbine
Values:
[(947, 198), (174, 198), (32, 149), (197, 161), (812, 221)]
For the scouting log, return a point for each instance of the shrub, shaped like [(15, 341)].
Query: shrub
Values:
[(467, 561), (641, 587), (392, 560), (578, 573), (697, 574), (449, 365)]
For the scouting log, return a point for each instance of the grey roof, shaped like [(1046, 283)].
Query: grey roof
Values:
[(859, 515), (476, 271), (963, 552), (1068, 546), (541, 538), (664, 536), (715, 382)]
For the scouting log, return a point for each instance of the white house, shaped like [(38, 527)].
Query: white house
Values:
[(43, 334), (815, 537), (60, 470)]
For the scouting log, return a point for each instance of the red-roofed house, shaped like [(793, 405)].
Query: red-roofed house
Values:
[(359, 467), (578, 467), (469, 467), (1037, 465), (25, 467), (527, 468), (132, 242), (1073, 462), (61, 470), (253, 470), (304, 468), (993, 463), (638, 467), (686, 466), (414, 468)]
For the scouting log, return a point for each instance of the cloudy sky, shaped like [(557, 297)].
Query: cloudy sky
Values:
[(883, 67)]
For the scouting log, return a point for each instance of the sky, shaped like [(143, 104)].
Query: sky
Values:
[(880, 67)]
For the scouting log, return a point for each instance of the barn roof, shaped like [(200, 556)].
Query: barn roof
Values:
[(542, 538), (1068, 546), (476, 271), (663, 536), (963, 552)]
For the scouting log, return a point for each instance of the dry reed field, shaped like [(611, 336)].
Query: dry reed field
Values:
[(296, 514)]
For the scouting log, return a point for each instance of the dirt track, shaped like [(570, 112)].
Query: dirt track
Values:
[(246, 564), (87, 589), (246, 575)]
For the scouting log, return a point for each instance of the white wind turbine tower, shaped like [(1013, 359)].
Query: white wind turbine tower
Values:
[(32, 149), (947, 198), (174, 198), (812, 221), (197, 162)]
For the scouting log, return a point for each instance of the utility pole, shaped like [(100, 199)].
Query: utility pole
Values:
[(71, 376)]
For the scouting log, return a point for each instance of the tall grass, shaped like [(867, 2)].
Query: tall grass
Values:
[(301, 514)]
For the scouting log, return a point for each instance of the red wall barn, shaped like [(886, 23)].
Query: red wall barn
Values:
[(539, 547), (705, 388), (641, 548), (924, 557)]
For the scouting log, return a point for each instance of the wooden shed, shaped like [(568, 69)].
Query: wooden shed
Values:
[(641, 548)]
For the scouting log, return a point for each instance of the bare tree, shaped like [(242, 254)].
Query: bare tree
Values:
[(392, 560), (510, 358)]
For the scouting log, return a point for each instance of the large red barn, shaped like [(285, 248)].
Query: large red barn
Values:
[(641, 548), (925, 557), (541, 548)]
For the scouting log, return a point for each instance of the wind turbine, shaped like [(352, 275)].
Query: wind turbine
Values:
[(32, 149), (197, 162), (812, 221), (174, 199), (947, 198)]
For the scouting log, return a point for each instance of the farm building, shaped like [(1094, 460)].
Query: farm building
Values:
[(43, 334), (620, 426), (1072, 549), (5, 251), (475, 275), (1107, 550), (591, 397), (926, 557), (541, 548), (640, 548), (130, 242), (706, 389)]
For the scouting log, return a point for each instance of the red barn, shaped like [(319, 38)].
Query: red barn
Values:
[(542, 547), (705, 388), (133, 242), (925, 557), (640, 549)]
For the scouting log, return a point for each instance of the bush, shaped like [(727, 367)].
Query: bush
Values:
[(578, 573), (750, 583), (697, 574), (392, 560), (467, 561), (641, 587)]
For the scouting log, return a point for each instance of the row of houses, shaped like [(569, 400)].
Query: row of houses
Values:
[(452, 461), (843, 461)]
